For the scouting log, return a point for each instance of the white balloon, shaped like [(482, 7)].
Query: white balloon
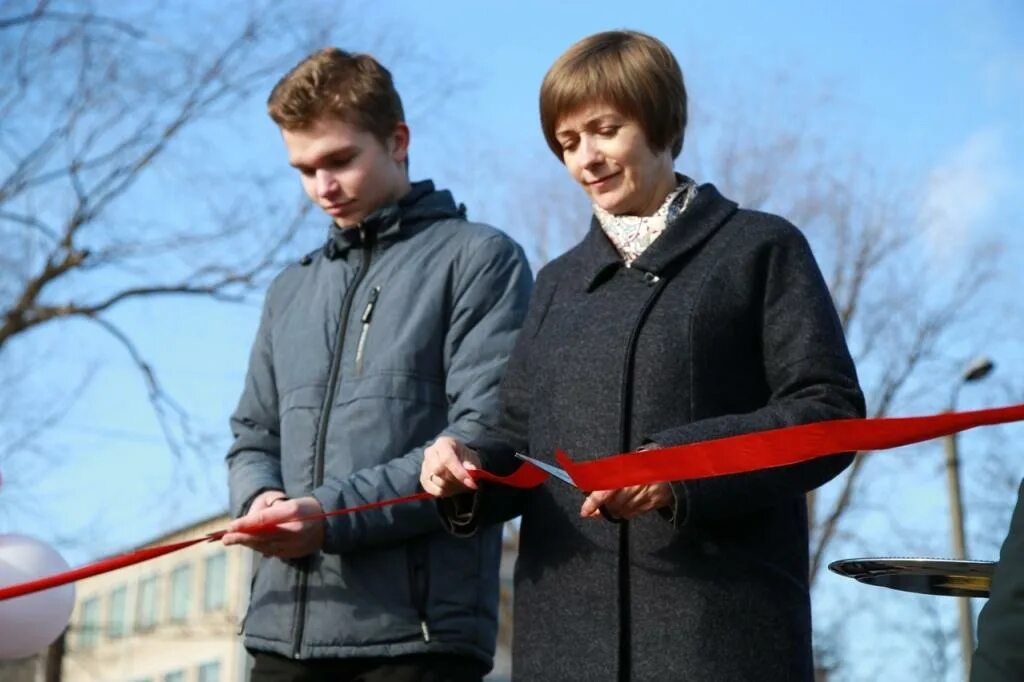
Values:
[(31, 623)]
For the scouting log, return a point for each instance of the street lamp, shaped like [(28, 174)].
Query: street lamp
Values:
[(975, 371)]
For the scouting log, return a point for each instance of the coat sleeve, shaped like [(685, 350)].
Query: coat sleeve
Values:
[(254, 458), (489, 300), (463, 515), (1000, 654), (810, 376)]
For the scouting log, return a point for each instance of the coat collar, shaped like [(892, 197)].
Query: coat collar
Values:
[(708, 211)]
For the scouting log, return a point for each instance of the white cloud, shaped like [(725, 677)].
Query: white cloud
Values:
[(962, 191)]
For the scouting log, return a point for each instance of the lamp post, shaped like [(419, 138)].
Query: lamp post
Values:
[(976, 371)]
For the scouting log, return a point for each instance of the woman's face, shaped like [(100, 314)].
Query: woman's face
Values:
[(608, 154)]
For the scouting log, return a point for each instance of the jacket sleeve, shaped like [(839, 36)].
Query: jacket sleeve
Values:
[(463, 515), (254, 458), (488, 303), (810, 376), (1000, 654)]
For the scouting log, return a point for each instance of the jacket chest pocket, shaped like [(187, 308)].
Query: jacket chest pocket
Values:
[(393, 331), (364, 329)]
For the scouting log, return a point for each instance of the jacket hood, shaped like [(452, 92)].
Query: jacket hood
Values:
[(421, 205)]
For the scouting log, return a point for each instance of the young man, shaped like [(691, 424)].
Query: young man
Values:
[(391, 338)]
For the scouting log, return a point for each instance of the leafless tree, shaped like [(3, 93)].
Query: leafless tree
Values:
[(123, 176), (97, 111)]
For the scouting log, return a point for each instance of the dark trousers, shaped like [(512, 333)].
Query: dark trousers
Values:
[(416, 668)]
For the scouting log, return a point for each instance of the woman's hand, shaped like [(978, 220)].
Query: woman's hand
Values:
[(627, 503), (446, 467)]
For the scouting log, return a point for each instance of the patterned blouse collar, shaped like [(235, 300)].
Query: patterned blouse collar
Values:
[(631, 234)]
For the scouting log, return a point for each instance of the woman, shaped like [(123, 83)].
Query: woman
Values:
[(678, 318)]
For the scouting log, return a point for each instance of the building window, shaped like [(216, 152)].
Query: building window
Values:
[(117, 607), (181, 593), (175, 676), (213, 587), (89, 623), (209, 672), (145, 605)]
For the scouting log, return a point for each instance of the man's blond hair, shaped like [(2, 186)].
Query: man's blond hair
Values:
[(333, 83)]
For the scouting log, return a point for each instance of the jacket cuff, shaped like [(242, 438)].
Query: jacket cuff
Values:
[(459, 513), (248, 503), (677, 511), (335, 527)]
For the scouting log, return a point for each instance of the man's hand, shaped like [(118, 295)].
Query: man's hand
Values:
[(289, 539), (446, 467), (627, 503)]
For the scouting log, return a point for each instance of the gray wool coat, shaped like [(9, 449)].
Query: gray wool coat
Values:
[(723, 326)]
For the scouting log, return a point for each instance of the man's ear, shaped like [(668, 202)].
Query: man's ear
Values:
[(398, 143)]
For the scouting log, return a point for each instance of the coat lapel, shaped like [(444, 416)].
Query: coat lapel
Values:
[(598, 256), (693, 227)]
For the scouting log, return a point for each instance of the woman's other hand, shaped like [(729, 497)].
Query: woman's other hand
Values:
[(627, 503)]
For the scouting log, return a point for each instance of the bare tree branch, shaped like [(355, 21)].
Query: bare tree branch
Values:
[(170, 415), (93, 105), (42, 14)]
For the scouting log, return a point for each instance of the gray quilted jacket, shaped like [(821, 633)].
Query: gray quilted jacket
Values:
[(392, 334)]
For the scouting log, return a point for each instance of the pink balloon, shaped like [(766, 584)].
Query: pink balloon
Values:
[(31, 623)]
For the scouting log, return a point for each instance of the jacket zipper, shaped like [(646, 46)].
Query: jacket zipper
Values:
[(419, 581), (625, 415), (367, 316), (321, 434)]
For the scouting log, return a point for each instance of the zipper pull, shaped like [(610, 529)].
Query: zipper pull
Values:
[(368, 310), (425, 630)]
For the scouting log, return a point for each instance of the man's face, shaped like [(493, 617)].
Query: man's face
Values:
[(347, 171)]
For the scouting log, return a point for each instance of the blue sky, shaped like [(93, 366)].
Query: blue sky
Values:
[(932, 92)]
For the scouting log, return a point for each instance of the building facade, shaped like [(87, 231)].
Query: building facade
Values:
[(171, 619), (176, 618)]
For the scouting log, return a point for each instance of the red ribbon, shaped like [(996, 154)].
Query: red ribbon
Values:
[(719, 457), (774, 448), (523, 477)]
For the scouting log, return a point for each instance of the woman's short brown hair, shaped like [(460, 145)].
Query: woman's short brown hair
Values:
[(352, 87), (631, 71)]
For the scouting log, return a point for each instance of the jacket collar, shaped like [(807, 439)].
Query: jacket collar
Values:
[(422, 203), (708, 211)]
